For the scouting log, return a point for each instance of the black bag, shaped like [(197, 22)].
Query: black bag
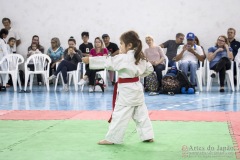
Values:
[(184, 81), (99, 82)]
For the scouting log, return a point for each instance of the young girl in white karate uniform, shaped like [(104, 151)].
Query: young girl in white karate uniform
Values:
[(130, 97)]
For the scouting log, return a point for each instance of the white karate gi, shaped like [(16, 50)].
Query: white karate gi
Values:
[(3, 66), (130, 97)]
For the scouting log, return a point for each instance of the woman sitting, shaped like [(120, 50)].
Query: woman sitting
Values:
[(155, 55), (68, 64), (220, 57), (55, 52), (98, 50)]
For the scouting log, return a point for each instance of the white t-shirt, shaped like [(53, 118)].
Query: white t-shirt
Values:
[(188, 56), (13, 33)]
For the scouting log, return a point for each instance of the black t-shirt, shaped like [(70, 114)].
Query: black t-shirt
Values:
[(112, 47), (235, 45), (85, 48), (172, 48)]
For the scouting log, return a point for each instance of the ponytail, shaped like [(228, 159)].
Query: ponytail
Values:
[(138, 53)]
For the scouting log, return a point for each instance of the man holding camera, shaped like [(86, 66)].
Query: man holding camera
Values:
[(188, 56)]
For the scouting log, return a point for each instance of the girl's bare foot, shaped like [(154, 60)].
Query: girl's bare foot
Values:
[(105, 142)]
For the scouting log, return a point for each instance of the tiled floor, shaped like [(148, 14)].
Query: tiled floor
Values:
[(40, 99)]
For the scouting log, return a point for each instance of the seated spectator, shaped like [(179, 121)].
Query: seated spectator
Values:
[(55, 52), (189, 55), (172, 46), (98, 50), (155, 56), (112, 51), (11, 33), (68, 64), (3, 52), (220, 57), (235, 45), (86, 46), (72, 44), (10, 45), (35, 40), (33, 51)]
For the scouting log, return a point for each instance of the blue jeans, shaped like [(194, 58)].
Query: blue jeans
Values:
[(192, 67), (63, 67)]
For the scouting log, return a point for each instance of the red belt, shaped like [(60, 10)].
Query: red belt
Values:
[(120, 80)]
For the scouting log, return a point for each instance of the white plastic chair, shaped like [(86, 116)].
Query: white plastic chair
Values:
[(198, 75), (166, 66), (12, 62), (229, 77), (41, 64), (75, 74), (103, 75)]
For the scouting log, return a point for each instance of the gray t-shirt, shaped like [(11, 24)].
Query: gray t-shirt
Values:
[(172, 47)]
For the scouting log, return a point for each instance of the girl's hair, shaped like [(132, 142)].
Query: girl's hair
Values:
[(72, 39), (55, 39), (102, 44), (3, 31), (225, 38), (133, 38)]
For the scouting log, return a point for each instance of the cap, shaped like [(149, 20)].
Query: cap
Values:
[(105, 35), (190, 36)]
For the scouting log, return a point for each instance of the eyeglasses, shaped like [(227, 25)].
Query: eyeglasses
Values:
[(221, 40), (53, 42)]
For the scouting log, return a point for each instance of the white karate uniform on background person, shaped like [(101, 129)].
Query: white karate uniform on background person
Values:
[(3, 66), (130, 101)]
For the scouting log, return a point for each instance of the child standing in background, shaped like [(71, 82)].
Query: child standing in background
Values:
[(129, 92)]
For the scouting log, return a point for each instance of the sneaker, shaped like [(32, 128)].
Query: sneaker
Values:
[(153, 93), (39, 83), (82, 82), (52, 77), (90, 89), (65, 87)]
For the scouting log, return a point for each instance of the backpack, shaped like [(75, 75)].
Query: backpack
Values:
[(175, 81), (170, 84), (151, 82), (99, 83), (184, 81)]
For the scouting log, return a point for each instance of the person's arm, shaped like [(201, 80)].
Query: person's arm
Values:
[(116, 49), (212, 54), (164, 45), (198, 53), (18, 42), (180, 52), (162, 57), (229, 52), (115, 53), (79, 59)]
